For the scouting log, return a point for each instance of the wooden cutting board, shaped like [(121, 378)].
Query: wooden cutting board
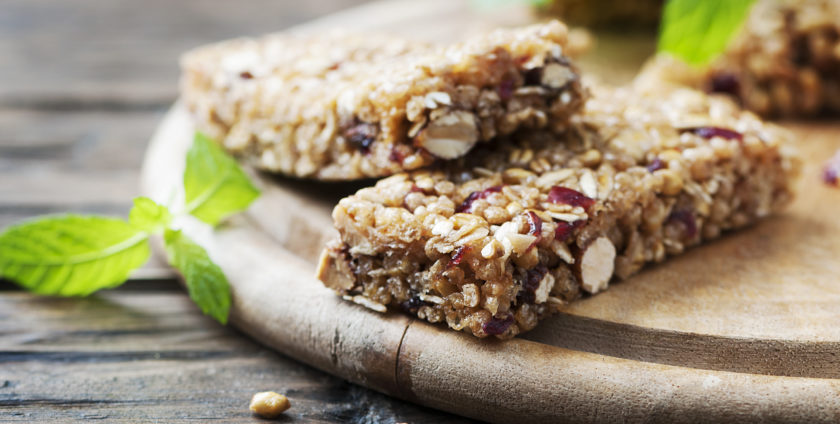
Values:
[(744, 328)]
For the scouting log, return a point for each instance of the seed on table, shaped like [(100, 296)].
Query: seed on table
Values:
[(269, 404)]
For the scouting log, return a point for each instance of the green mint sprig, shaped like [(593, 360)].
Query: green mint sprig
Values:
[(73, 255), (697, 31)]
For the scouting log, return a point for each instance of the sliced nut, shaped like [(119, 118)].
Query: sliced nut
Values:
[(546, 284), (450, 136), (269, 404), (516, 176), (555, 75), (472, 295), (431, 298), (508, 235), (367, 303), (588, 185), (591, 158), (595, 264), (435, 98), (562, 251)]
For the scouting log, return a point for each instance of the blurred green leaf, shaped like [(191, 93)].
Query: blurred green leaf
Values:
[(697, 31)]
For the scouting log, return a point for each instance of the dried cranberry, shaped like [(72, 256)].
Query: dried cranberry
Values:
[(709, 132), (361, 136), (655, 165), (246, 75), (535, 227), (567, 196), (530, 283), (686, 218), (565, 229), (496, 326), (831, 172), (831, 175), (458, 256), (396, 155), (726, 83), (412, 305), (466, 205), (506, 89)]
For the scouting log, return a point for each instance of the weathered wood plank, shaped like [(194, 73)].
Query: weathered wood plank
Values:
[(136, 356), (91, 54)]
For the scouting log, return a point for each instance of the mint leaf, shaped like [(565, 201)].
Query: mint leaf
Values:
[(698, 31), (149, 216), (215, 185), (206, 283), (71, 255)]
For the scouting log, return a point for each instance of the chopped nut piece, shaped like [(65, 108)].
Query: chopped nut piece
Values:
[(595, 265), (269, 404), (336, 271), (555, 75), (450, 136), (542, 291)]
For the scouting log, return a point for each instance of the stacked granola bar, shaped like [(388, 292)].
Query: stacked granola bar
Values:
[(343, 106), (495, 242), (784, 62)]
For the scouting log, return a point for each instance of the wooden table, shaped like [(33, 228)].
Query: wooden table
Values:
[(83, 84)]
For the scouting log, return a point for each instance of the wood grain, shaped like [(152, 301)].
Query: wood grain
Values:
[(86, 54), (144, 356)]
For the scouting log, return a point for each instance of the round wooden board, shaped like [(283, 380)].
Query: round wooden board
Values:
[(743, 328)]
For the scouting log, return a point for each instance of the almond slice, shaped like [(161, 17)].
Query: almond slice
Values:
[(450, 136), (594, 265)]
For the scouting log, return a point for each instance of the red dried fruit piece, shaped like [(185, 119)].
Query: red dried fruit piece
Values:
[(506, 89), (655, 165), (831, 172), (246, 75), (686, 218), (496, 326), (458, 256), (565, 229), (709, 132), (535, 227), (530, 283), (726, 83), (361, 136), (396, 155), (567, 196), (466, 205)]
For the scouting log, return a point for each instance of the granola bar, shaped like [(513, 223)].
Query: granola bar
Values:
[(492, 243), (784, 62), (342, 106)]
